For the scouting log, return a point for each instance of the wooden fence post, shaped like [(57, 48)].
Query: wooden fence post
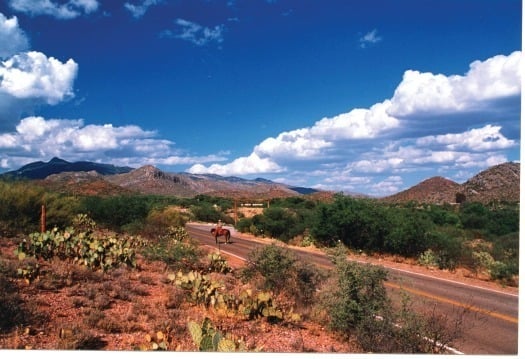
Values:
[(43, 219)]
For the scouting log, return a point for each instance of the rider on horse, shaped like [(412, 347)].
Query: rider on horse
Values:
[(218, 231)]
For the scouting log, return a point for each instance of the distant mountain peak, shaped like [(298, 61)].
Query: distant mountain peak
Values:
[(40, 170), (55, 160)]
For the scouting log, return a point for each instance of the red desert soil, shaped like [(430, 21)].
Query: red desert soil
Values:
[(117, 311), (79, 309)]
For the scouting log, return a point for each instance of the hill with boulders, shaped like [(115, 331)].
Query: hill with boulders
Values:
[(500, 183)]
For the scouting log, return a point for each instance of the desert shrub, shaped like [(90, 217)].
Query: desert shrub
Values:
[(305, 281), (357, 302), (273, 263), (403, 330), (447, 250), (277, 269), (206, 212), (22, 202), (118, 211), (504, 221), (443, 215), (428, 258), (175, 248), (280, 223), (408, 232), (159, 220), (358, 296), (357, 223), (503, 271), (243, 225), (482, 261)]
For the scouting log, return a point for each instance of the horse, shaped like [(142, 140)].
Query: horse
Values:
[(222, 232)]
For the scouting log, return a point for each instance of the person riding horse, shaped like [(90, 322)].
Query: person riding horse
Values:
[(219, 231)]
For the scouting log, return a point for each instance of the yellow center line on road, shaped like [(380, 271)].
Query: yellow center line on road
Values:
[(453, 302)]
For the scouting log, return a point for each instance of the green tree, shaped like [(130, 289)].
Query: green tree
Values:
[(474, 215), (358, 223), (408, 231)]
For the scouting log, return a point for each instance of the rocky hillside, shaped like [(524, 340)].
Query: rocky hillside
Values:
[(432, 190), (151, 180), (82, 183), (497, 183)]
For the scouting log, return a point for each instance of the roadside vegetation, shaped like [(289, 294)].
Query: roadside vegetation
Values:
[(103, 254), (482, 238)]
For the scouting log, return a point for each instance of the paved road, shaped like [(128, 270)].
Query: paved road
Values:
[(490, 328)]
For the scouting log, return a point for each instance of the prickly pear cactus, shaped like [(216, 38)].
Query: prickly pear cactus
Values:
[(195, 332), (226, 345), (208, 339)]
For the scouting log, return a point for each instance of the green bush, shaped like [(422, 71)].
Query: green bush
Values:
[(448, 250), (273, 263), (359, 295), (118, 211), (22, 203), (408, 232), (278, 269), (359, 304), (175, 248)]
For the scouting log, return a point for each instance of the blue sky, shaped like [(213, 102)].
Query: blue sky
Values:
[(358, 96)]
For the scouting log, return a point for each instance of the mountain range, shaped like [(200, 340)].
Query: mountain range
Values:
[(497, 183)]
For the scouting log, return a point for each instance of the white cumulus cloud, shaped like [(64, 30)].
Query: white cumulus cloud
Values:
[(497, 77), (240, 166), (478, 139), (12, 39), (37, 138), (34, 75), (68, 10)]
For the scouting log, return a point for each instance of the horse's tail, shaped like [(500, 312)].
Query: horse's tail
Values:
[(227, 235)]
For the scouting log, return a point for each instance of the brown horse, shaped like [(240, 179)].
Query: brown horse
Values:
[(221, 232)]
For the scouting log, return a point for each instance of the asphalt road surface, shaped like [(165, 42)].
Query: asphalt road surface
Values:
[(490, 325)]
